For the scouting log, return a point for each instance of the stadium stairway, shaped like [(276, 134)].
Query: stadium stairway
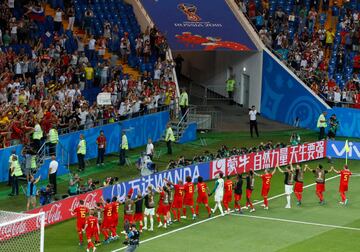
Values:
[(134, 73)]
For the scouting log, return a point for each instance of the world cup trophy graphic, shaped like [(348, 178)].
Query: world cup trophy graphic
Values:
[(190, 11)]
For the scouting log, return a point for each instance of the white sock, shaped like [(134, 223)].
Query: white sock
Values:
[(145, 222), (288, 199), (151, 222), (220, 207), (216, 206)]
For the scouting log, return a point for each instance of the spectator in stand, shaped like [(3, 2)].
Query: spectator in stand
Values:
[(101, 143), (81, 152)]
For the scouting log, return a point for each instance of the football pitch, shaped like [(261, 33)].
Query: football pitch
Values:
[(311, 227)]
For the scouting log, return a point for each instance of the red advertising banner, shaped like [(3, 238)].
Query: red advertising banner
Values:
[(268, 159), (62, 210)]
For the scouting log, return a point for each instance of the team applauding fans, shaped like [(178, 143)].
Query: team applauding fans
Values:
[(175, 199)]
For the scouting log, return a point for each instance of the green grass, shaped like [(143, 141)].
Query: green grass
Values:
[(229, 233)]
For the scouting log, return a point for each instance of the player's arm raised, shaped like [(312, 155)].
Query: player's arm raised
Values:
[(273, 172), (168, 181), (280, 170), (332, 168)]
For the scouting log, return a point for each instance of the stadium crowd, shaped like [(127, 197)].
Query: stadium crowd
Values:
[(44, 77), (326, 59)]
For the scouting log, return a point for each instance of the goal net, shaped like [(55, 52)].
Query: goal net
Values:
[(21, 232)]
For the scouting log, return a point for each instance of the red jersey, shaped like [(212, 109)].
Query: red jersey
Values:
[(81, 212), (161, 198), (115, 209), (189, 190), (266, 178), (228, 187), (345, 176), (108, 211), (92, 223), (202, 189), (101, 141), (179, 191)]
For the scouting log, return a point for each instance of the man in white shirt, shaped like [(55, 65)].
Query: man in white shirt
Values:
[(91, 47), (253, 122), (53, 167), (150, 149)]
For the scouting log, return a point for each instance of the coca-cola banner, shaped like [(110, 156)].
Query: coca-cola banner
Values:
[(155, 180), (62, 210), (268, 159)]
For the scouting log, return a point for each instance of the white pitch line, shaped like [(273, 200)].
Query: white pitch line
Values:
[(296, 222), (211, 218)]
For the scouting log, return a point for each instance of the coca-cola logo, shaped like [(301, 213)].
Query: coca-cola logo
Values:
[(52, 215), (13, 230), (89, 201)]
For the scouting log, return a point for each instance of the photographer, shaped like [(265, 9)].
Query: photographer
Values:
[(132, 239), (74, 185)]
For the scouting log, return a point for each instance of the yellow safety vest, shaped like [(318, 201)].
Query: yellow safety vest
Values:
[(82, 147), (37, 135), (53, 136), (124, 143), (169, 135), (33, 162), (321, 124), (230, 85), (184, 100), (17, 169)]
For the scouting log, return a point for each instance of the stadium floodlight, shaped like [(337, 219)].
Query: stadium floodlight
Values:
[(21, 232)]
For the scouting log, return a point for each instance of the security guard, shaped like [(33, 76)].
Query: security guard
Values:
[(230, 85), (124, 146), (37, 136), (184, 102), (169, 138), (16, 172), (13, 153), (321, 124), (53, 139), (81, 152), (133, 237)]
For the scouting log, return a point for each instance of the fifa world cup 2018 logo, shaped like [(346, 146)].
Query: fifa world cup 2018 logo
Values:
[(190, 11)]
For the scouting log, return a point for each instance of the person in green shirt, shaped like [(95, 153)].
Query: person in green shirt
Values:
[(230, 85)]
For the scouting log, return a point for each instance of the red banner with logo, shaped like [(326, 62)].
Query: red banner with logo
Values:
[(61, 210), (268, 159)]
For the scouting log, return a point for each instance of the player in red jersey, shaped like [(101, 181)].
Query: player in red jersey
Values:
[(138, 215), (80, 212), (177, 204), (299, 183), (250, 183), (115, 217), (319, 173), (202, 197), (163, 205), (266, 182), (238, 193), (188, 197), (92, 230), (228, 191), (344, 183), (107, 220)]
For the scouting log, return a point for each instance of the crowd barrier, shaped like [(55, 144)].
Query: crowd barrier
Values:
[(137, 129), (62, 210)]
